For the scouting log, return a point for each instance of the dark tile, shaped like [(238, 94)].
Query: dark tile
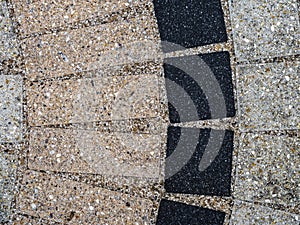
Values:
[(199, 161), (199, 87), (171, 213), (190, 23)]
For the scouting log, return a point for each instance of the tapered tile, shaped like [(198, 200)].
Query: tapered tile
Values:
[(68, 202)]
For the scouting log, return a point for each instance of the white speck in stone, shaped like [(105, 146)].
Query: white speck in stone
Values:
[(33, 206), (91, 208), (246, 40), (272, 28), (51, 197)]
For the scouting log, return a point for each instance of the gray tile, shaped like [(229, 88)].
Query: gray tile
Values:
[(269, 96), (268, 168), (7, 181), (10, 108), (247, 213), (263, 28)]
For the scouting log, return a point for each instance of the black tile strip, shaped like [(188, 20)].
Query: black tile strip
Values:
[(186, 148), (190, 23), (173, 213)]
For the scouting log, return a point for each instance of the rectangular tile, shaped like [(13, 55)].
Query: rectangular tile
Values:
[(268, 168), (199, 161), (248, 213), (268, 96), (263, 28), (38, 16), (93, 99), (87, 151), (171, 212), (22, 220), (8, 42), (53, 198), (70, 51), (10, 108), (189, 23), (8, 167)]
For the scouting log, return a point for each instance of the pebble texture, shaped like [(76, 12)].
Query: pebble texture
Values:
[(268, 168), (250, 214), (269, 96), (10, 108), (83, 151), (263, 28), (171, 212), (70, 202), (190, 23)]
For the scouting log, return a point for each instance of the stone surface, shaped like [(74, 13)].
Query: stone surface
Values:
[(93, 99), (250, 214), (199, 87), (199, 161), (69, 202), (67, 52), (88, 151), (10, 108), (268, 168), (171, 212), (269, 96), (263, 28), (190, 23)]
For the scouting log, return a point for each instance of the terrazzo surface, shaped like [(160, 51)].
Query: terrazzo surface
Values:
[(149, 112)]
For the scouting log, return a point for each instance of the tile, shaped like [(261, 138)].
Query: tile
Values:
[(263, 28), (199, 87), (93, 99), (22, 220), (190, 23), (8, 42), (88, 151), (57, 199), (199, 161), (268, 168), (268, 96), (250, 214), (38, 16), (67, 52), (7, 184), (171, 212), (10, 108)]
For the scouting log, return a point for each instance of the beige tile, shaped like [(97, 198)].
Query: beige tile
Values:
[(93, 99), (67, 52), (69, 202), (29, 220), (87, 151), (38, 16)]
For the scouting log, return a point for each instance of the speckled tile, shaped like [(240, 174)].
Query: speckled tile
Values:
[(199, 87), (7, 183), (199, 161), (171, 212), (58, 199), (250, 214), (29, 220), (87, 151), (93, 99), (8, 40), (269, 96), (190, 23), (268, 168), (70, 51), (10, 108), (263, 28), (32, 14)]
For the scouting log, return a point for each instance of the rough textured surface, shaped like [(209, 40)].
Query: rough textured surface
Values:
[(250, 214), (70, 202), (178, 213), (190, 23), (268, 168), (82, 151), (10, 108), (263, 28), (269, 96)]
